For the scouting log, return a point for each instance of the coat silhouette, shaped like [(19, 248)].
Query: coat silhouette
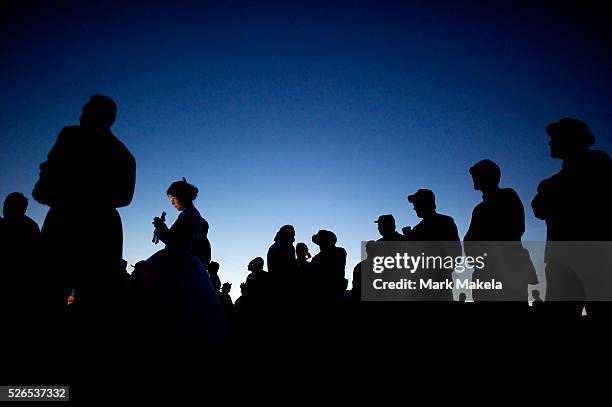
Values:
[(87, 175)]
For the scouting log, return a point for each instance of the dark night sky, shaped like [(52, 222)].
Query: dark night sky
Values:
[(323, 116)]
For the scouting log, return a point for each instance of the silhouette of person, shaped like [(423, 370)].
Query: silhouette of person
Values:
[(462, 297), (213, 271), (19, 270), (302, 254), (256, 285), (575, 204), (386, 228), (282, 264), (328, 266), (226, 301), (192, 303), (88, 174), (304, 284), (435, 227), (536, 296), (537, 305), (252, 306), (500, 217), (281, 255), (367, 264)]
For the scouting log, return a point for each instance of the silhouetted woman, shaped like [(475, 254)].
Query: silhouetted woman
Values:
[(191, 304)]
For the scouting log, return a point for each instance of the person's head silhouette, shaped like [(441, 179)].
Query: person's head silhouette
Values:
[(424, 202), (324, 239), (568, 138), (213, 267), (226, 287), (301, 251), (485, 175), (256, 264), (15, 205), (386, 225), (535, 294), (286, 234), (181, 194), (462, 297), (369, 248), (99, 112)]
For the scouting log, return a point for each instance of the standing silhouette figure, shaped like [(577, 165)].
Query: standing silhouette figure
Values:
[(192, 305), (20, 272), (328, 266), (282, 265), (575, 204), (88, 174), (500, 217), (435, 227)]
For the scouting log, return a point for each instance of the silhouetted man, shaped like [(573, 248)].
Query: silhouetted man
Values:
[(387, 229), (435, 228), (357, 270), (329, 266), (575, 204), (462, 297), (20, 284), (500, 217), (226, 301), (88, 174)]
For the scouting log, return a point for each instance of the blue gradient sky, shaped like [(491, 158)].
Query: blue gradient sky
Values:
[(322, 117)]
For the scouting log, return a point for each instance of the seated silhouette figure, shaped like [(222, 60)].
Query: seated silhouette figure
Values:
[(20, 271), (575, 204), (192, 305), (500, 217), (87, 175)]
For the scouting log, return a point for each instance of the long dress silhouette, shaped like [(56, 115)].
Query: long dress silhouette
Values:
[(188, 299)]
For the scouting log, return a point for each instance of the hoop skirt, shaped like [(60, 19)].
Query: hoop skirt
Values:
[(187, 303)]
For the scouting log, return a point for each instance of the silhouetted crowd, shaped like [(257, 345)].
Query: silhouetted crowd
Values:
[(71, 273)]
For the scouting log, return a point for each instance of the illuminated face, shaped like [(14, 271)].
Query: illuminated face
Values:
[(176, 203)]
